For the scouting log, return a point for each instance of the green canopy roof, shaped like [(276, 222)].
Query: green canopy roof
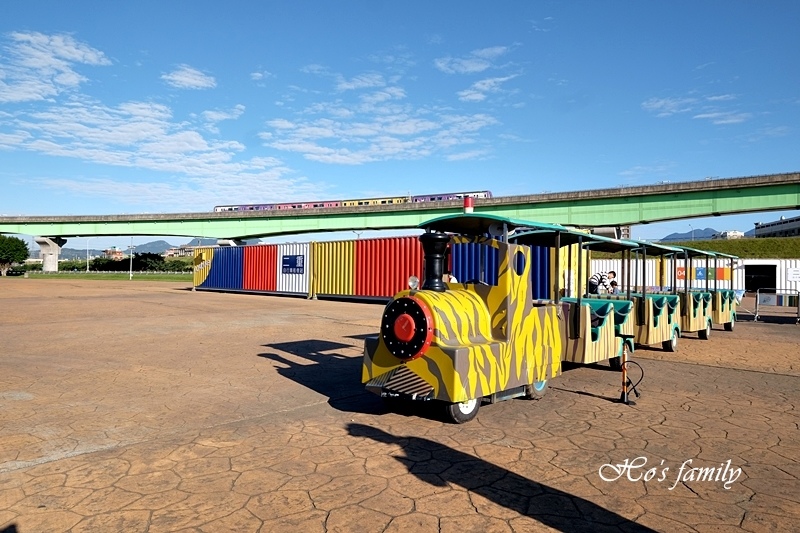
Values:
[(652, 248), (479, 224), (567, 236), (694, 252)]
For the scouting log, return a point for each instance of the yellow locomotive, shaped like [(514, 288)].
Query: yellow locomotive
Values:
[(464, 343)]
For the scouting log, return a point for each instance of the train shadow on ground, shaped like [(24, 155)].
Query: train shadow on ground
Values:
[(548, 505), (323, 367)]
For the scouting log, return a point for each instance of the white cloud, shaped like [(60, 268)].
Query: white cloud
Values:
[(480, 89), (186, 77), (537, 25), (378, 126), (475, 61), (664, 107), (315, 69), (213, 117), (769, 133), (363, 81), (473, 154), (721, 117), (144, 136), (721, 98), (395, 139), (260, 75), (39, 66), (384, 95)]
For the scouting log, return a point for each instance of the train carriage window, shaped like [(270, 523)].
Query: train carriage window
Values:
[(475, 263), (519, 262)]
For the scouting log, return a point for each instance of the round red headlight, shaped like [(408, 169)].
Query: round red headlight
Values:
[(407, 327)]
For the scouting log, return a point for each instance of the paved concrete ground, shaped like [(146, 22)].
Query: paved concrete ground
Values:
[(138, 406)]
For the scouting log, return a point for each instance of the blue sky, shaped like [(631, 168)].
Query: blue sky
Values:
[(145, 107)]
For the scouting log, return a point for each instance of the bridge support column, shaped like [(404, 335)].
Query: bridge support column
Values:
[(50, 248), (230, 242)]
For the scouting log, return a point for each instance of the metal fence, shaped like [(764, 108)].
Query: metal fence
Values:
[(778, 298)]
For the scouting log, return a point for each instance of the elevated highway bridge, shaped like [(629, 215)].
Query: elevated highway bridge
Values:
[(616, 206)]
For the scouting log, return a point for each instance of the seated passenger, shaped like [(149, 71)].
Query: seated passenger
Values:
[(601, 278), (613, 289)]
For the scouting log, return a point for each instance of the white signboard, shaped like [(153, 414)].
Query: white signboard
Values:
[(793, 274), (768, 299)]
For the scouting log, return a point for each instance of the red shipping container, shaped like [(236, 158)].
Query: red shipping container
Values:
[(383, 266), (260, 267)]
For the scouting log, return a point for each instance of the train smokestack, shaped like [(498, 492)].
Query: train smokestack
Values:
[(434, 246)]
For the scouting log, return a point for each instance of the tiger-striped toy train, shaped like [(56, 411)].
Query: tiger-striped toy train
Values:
[(349, 203), (459, 345)]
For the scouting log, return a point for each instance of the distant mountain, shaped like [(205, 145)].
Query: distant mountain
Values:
[(213, 242), (202, 242), (154, 247), (68, 253), (697, 235)]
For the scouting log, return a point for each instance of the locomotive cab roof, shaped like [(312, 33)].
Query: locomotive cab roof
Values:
[(481, 224)]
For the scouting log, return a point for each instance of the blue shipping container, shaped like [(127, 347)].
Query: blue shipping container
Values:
[(227, 269)]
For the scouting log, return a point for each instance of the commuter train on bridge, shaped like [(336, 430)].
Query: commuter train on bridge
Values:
[(356, 202)]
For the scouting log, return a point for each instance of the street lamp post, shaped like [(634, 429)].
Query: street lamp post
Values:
[(130, 254), (87, 253), (692, 228)]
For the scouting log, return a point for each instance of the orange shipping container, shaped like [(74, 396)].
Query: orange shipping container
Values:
[(383, 266), (260, 267)]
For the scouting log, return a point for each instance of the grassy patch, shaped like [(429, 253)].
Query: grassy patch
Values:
[(104, 276), (769, 248)]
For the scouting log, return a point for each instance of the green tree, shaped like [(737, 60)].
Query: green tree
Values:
[(148, 262), (12, 250), (179, 265), (105, 264)]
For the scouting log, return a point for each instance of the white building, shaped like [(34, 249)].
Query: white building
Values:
[(785, 227), (730, 234)]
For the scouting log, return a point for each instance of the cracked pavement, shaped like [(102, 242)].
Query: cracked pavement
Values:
[(141, 406)]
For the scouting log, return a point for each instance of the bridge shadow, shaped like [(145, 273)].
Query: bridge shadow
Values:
[(321, 366), (547, 505)]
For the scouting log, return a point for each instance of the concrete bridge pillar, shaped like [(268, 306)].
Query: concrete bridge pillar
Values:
[(50, 248), (230, 242)]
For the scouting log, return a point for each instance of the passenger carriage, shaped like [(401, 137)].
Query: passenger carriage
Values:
[(696, 304), (598, 328), (657, 312), (723, 300)]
